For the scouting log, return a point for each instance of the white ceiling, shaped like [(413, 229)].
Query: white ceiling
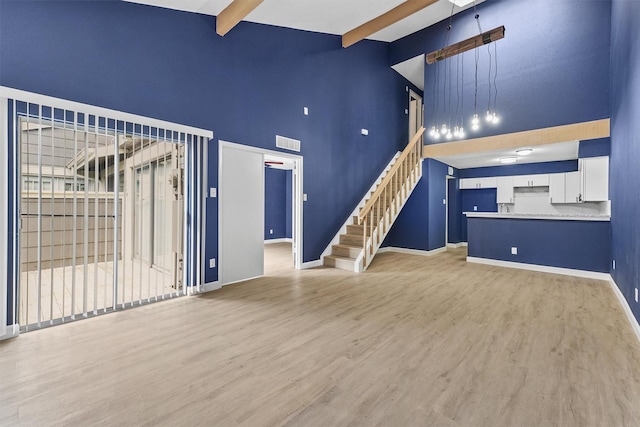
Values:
[(323, 16), (541, 153), (412, 70)]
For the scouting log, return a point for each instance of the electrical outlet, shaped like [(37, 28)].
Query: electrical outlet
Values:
[(304, 197), (271, 231), (514, 250), (406, 111), (636, 294), (614, 264), (475, 208), (444, 201), (306, 111), (212, 263)]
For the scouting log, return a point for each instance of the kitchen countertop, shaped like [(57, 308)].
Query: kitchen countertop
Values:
[(554, 217)]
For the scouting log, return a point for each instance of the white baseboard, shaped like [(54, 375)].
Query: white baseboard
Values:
[(283, 240), (240, 281), (541, 268), (311, 264), (213, 286), (457, 245), (12, 332), (625, 306), (412, 251)]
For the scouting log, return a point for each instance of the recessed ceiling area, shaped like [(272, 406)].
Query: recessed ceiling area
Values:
[(541, 153), (324, 16)]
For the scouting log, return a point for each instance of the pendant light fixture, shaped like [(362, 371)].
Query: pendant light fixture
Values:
[(442, 124)]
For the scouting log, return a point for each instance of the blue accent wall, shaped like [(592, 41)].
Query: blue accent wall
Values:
[(552, 67), (453, 212), (625, 148), (277, 203), (247, 87), (580, 245), (595, 148), (421, 223), (524, 169), (484, 200)]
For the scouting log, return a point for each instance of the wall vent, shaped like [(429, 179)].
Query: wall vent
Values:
[(287, 143)]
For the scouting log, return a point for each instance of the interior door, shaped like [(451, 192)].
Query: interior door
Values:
[(415, 113), (241, 215)]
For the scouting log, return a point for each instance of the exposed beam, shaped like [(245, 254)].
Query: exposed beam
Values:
[(234, 13), (574, 132), (465, 45), (409, 7)]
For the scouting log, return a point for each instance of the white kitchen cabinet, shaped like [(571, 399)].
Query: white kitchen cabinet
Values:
[(504, 193), (565, 188), (478, 183), (557, 188), (595, 179), (539, 180), (573, 192)]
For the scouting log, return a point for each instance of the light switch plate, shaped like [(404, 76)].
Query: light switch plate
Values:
[(306, 111), (444, 201), (636, 294), (212, 263), (364, 132), (213, 192), (304, 197), (514, 250)]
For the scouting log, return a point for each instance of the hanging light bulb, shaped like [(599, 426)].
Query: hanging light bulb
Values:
[(461, 132), (495, 119), (449, 135), (443, 129), (456, 131), (475, 122), (436, 135), (433, 131), (489, 116)]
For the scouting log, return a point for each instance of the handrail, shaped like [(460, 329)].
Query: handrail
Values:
[(384, 205), (389, 176)]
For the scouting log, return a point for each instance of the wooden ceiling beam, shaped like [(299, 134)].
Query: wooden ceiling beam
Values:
[(573, 132), (466, 45), (408, 8), (233, 14)]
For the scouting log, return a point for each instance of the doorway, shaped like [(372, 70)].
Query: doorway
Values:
[(452, 215), (416, 114), (278, 219), (242, 210)]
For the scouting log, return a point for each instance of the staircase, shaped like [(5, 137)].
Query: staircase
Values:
[(366, 231)]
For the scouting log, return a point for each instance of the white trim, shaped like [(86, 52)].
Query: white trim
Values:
[(298, 200), (457, 245), (625, 306), (283, 240), (4, 212), (208, 287), (349, 221), (541, 268), (412, 251), (49, 101), (311, 264), (12, 332)]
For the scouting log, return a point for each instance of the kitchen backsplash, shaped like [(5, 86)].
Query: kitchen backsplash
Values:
[(535, 200)]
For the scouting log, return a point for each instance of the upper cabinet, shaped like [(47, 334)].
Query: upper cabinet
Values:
[(541, 180), (565, 188), (478, 183), (505, 189), (595, 179)]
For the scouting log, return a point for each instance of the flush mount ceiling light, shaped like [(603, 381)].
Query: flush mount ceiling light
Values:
[(507, 160), (461, 3), (524, 151)]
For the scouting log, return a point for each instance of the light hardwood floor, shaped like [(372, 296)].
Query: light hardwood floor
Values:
[(430, 341)]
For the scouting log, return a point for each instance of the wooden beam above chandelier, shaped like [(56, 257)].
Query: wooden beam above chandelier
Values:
[(466, 45)]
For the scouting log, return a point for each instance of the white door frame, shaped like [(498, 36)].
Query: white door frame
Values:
[(447, 207), (4, 210), (297, 202)]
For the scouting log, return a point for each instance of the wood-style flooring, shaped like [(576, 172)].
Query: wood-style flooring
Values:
[(414, 341)]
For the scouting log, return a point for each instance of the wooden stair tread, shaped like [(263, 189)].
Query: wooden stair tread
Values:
[(344, 258), (346, 246)]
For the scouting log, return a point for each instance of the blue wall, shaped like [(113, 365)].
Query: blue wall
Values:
[(625, 147), (246, 87), (421, 223), (277, 203), (551, 67), (580, 245), (484, 200)]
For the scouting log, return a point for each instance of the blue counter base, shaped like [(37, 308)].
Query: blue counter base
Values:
[(575, 245)]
